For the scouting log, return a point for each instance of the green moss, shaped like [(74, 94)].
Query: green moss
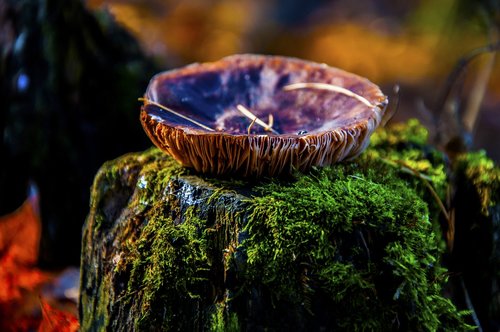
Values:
[(483, 175), (363, 234), (169, 267), (116, 179), (411, 132), (155, 177), (101, 318), (352, 247), (404, 147), (222, 321), (168, 249)]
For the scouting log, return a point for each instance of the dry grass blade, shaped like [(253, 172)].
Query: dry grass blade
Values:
[(449, 115), (270, 121), (450, 232), (148, 101), (328, 87), (251, 125), (470, 306), (477, 93), (246, 112)]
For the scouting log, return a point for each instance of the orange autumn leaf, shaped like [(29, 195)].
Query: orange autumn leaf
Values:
[(55, 320), (19, 239), (20, 280), (20, 234)]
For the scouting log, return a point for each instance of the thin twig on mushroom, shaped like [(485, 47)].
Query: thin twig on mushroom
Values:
[(251, 125), (328, 87), (246, 112), (148, 101)]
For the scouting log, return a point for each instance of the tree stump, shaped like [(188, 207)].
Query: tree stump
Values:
[(355, 246)]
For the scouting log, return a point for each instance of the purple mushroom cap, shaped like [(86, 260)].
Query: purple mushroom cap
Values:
[(255, 115)]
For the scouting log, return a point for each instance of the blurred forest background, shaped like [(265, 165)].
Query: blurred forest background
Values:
[(71, 73)]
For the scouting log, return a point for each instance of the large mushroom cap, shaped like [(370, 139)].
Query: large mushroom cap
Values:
[(214, 117)]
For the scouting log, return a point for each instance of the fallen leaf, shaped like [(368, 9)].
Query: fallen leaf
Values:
[(20, 234), (20, 280), (55, 320)]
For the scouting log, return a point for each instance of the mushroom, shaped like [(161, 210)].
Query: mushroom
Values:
[(255, 115)]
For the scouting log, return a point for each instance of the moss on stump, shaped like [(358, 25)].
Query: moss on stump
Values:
[(355, 246)]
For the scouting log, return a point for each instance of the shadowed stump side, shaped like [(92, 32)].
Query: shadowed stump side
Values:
[(147, 237)]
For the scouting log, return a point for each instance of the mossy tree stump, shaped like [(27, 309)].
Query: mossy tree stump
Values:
[(351, 247)]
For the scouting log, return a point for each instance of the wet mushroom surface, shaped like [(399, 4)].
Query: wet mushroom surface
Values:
[(260, 115)]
